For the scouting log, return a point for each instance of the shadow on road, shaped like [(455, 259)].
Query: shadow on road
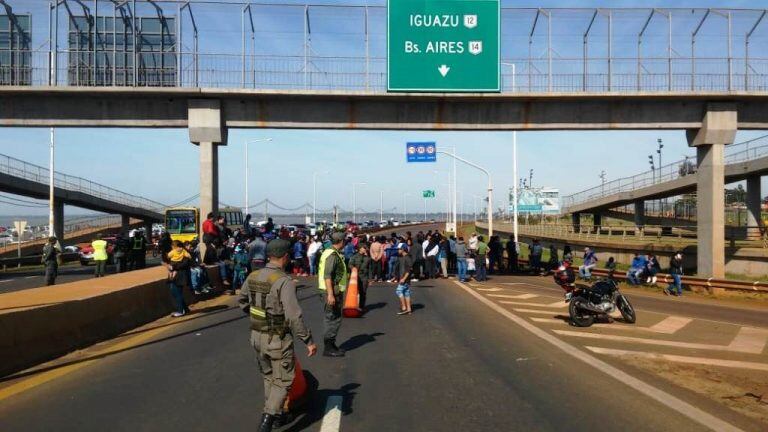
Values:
[(319, 403), (417, 306), (356, 342), (375, 306), (109, 352)]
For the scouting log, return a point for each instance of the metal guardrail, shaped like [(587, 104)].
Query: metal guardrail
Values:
[(25, 170), (344, 47), (735, 153)]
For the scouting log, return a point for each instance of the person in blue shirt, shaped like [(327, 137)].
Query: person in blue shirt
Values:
[(299, 255), (241, 262), (349, 250), (636, 269), (590, 261)]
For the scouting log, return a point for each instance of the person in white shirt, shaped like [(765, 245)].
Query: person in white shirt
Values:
[(473, 242), (312, 254)]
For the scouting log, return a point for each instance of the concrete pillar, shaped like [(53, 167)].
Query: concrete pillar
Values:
[(58, 220), (207, 129), (639, 216), (148, 231), (125, 224), (576, 219), (597, 219), (209, 180), (754, 208), (718, 129)]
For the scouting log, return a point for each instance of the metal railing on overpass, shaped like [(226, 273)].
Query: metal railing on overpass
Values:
[(254, 45), (735, 153), (27, 171)]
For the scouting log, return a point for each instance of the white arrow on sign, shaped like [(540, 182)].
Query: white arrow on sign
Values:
[(444, 70)]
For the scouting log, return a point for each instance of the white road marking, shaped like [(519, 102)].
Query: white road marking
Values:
[(332, 417), (557, 304), (6, 281), (694, 413), (617, 326), (670, 325), (682, 359), (514, 296), (750, 339), (660, 342), (30, 277), (535, 311), (490, 289)]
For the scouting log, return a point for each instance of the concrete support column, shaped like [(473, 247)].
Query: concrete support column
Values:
[(58, 220), (576, 220), (597, 219), (754, 208), (718, 130), (209, 180), (207, 130), (125, 224), (148, 231), (639, 216)]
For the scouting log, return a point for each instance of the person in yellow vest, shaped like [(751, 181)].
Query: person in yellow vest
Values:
[(100, 255), (332, 282)]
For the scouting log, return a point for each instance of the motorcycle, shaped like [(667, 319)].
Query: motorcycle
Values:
[(589, 303)]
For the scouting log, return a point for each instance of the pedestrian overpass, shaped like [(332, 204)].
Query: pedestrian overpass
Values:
[(23, 178), (288, 67)]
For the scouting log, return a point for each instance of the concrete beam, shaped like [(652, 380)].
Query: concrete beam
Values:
[(754, 208), (718, 127), (205, 122), (126, 107)]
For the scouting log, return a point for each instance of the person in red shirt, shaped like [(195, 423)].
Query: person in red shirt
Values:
[(210, 230)]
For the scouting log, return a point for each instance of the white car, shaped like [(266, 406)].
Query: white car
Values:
[(395, 223)]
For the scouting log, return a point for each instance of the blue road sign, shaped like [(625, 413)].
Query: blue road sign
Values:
[(421, 152)]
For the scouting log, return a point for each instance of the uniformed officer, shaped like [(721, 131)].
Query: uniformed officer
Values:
[(51, 257), (332, 282), (362, 262), (276, 318)]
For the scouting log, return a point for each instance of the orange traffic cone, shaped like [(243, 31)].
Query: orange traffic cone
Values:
[(298, 394), (352, 301)]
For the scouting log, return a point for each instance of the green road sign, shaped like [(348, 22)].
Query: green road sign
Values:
[(443, 45), (428, 194)]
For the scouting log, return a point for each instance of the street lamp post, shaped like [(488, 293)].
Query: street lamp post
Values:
[(354, 200), (514, 176), (51, 212), (247, 208), (381, 207), (314, 195), (405, 206), (490, 187)]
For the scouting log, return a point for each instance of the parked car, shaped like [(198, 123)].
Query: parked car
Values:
[(71, 249), (86, 251)]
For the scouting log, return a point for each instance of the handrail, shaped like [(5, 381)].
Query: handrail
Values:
[(28, 171)]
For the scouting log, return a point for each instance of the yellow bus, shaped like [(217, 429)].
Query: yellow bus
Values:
[(183, 223)]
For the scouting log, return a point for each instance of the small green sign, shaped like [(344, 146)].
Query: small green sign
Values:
[(428, 194), (443, 45)]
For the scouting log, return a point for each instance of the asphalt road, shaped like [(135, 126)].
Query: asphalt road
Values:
[(18, 280), (455, 364)]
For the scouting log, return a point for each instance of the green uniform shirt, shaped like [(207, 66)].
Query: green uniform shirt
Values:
[(482, 248), (363, 264)]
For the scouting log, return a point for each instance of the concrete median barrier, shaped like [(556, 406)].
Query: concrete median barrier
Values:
[(41, 324)]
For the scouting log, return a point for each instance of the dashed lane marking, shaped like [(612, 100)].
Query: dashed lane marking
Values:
[(490, 289), (750, 340), (681, 359), (750, 349), (514, 296), (557, 304), (332, 417), (692, 412)]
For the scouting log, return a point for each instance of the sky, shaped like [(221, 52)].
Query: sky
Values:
[(163, 166)]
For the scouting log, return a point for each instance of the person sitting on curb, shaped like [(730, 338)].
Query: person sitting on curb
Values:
[(676, 270), (590, 261), (636, 269)]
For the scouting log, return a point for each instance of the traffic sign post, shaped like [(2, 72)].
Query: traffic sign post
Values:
[(443, 46), (428, 194), (20, 226), (421, 152)]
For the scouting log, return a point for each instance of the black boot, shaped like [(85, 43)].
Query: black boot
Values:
[(284, 419), (331, 350), (267, 420)]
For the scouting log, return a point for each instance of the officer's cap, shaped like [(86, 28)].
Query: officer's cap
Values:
[(337, 237), (278, 248)]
